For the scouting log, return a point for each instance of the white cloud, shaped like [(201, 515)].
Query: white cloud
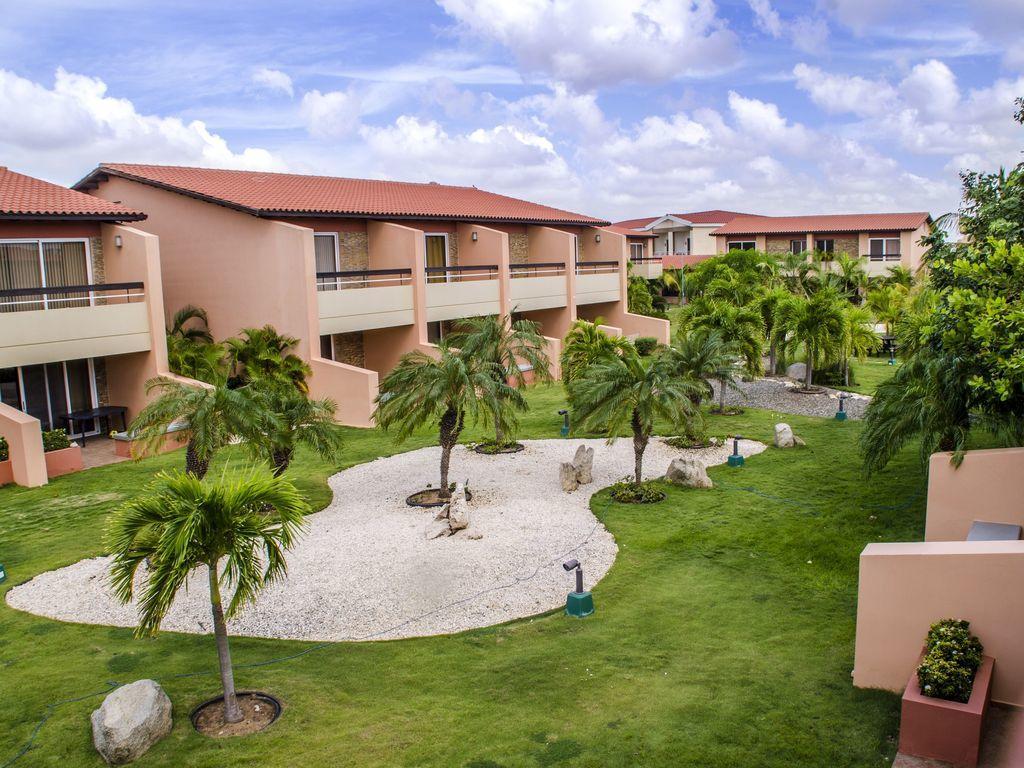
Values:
[(273, 80), (766, 17), (330, 115), (589, 43), (61, 132), (844, 93), (763, 120), (809, 34), (931, 88)]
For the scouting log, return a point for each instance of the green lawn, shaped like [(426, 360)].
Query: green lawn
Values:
[(869, 374), (723, 634)]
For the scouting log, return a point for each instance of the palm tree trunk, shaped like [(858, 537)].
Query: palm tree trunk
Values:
[(809, 374), (639, 446), (450, 427), (721, 395), (771, 359), (232, 713), (281, 459), (194, 465)]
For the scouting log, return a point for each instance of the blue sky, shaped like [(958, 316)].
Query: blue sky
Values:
[(616, 108)]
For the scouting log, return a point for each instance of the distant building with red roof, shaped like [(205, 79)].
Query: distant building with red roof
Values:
[(682, 238)]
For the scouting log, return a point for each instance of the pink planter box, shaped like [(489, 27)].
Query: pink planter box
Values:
[(946, 730), (64, 461), (6, 473), (134, 449)]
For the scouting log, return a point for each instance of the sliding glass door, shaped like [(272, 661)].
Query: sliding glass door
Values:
[(48, 392), (437, 257)]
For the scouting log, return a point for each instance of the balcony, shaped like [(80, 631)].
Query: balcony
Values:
[(47, 325), (649, 267), (879, 264), (540, 285), (597, 282), (469, 291), (361, 300)]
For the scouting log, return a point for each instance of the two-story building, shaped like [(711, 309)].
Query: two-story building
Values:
[(81, 314), (681, 238), (882, 240), (363, 271)]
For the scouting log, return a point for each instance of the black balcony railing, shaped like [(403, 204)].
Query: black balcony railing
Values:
[(882, 256), (362, 278), (538, 269), (646, 259), (64, 296), (596, 267), (461, 273)]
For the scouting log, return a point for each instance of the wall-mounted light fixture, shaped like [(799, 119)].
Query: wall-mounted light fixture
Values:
[(473, 236), (118, 242), (597, 238)]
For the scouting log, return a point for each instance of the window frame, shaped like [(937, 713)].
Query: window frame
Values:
[(327, 283), (885, 255), (632, 255), (730, 245), (42, 260), (802, 243)]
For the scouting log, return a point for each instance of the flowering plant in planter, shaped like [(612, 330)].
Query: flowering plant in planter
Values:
[(952, 657), (55, 440), (4, 451)]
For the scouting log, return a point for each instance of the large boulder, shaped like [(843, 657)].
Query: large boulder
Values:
[(458, 509), (689, 472), (567, 475), (784, 436), (797, 371), (583, 461), (131, 720)]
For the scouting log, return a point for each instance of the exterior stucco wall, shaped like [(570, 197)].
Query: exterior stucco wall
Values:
[(25, 446), (988, 486)]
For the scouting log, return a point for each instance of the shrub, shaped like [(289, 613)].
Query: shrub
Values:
[(4, 452), (630, 492), (55, 440), (645, 345), (952, 656), (692, 441)]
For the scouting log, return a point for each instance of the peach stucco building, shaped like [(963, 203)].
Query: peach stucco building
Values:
[(362, 271), (680, 238), (81, 314), (881, 240)]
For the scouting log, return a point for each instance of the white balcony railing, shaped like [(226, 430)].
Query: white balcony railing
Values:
[(361, 300), (538, 285), (462, 291), (597, 282)]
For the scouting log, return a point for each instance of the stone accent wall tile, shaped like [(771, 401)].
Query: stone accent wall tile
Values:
[(453, 250), (847, 244), (353, 251), (99, 271), (99, 366), (348, 348), (518, 249), (779, 243)]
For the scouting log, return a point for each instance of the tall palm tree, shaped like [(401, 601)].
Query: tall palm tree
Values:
[(213, 415), (504, 343), (768, 304), (887, 304), (263, 353), (851, 278), (296, 420), (816, 323), (623, 392), (183, 524), (795, 269), (901, 276), (740, 325), (859, 337), (445, 390), (703, 356), (585, 345)]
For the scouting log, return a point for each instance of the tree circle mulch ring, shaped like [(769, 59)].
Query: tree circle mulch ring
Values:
[(432, 497), (259, 710), (493, 449), (811, 390), (727, 411)]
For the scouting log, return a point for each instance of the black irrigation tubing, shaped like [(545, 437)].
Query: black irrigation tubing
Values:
[(111, 685)]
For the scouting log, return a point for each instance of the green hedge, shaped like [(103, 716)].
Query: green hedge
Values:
[(952, 657)]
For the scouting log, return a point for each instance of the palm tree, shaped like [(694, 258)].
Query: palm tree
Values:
[(859, 337), (183, 327), (740, 325), (263, 353), (213, 415), (816, 323), (585, 345), (850, 276), (886, 303), (768, 304), (795, 269), (899, 275), (444, 390), (183, 524), (703, 356), (297, 420), (623, 392), (504, 343), (190, 348)]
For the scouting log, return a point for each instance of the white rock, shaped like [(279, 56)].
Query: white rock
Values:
[(131, 720), (583, 461), (783, 436), (690, 472), (567, 474), (797, 371), (458, 509)]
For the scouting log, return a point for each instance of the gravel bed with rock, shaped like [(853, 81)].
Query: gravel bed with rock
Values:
[(779, 395), (365, 569)]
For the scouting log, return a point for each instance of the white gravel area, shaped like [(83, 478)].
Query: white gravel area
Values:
[(777, 394), (365, 571)]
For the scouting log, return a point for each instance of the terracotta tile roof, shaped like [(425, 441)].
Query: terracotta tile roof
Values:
[(629, 231), (636, 223), (25, 197), (843, 222), (288, 194), (697, 217)]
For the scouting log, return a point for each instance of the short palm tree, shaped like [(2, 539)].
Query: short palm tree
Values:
[(900, 275), (859, 338), (213, 414), (740, 325), (850, 275), (263, 353), (190, 348), (192, 323), (887, 303), (624, 392), (584, 345), (504, 343), (183, 524), (703, 356), (295, 420), (445, 390), (768, 303), (815, 323)]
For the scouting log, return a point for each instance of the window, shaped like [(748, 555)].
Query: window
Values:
[(325, 245), (437, 256), (884, 249), (327, 347), (636, 251), (797, 246), (44, 264), (434, 332), (741, 245), (825, 246)]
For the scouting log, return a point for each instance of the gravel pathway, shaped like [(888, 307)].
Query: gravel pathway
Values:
[(778, 395), (364, 570)]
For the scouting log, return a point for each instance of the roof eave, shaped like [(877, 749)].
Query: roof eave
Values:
[(100, 217)]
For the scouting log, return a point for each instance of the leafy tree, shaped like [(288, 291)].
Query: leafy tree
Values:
[(183, 524), (703, 356), (504, 343), (263, 354), (639, 297), (816, 323), (445, 390), (212, 413), (293, 419), (585, 345), (622, 392)]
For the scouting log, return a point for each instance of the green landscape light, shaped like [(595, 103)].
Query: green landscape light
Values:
[(841, 413), (3, 574), (892, 353), (736, 460), (565, 422), (579, 603)]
